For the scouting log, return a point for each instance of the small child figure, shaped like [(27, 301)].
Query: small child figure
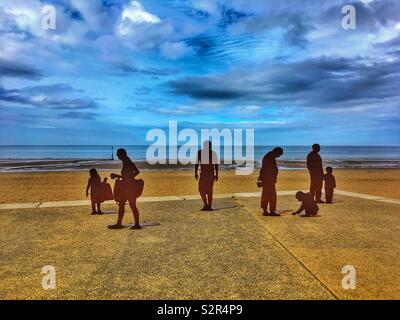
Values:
[(95, 186), (307, 203), (330, 184)]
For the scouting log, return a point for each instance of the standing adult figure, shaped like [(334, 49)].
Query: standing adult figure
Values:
[(208, 174), (314, 165), (268, 178), (128, 189)]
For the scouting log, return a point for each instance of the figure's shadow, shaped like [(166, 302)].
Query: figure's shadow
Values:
[(217, 208), (109, 211)]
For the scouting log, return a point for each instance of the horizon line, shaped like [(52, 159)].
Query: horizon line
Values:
[(194, 145)]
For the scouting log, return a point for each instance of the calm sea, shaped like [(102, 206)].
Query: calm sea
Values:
[(14, 158)]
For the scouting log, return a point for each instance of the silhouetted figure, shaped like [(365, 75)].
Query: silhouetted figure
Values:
[(307, 203), (208, 174), (96, 194), (330, 184), (129, 189), (268, 177), (314, 165)]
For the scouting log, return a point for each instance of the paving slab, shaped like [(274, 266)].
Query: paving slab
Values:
[(86, 202), (395, 201), (157, 199), (358, 195), (247, 194), (72, 203), (11, 206)]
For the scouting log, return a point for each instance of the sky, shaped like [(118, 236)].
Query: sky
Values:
[(111, 70)]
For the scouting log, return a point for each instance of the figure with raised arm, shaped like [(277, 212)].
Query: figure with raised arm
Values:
[(128, 190)]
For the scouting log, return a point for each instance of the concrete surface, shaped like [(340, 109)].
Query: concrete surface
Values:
[(358, 232), (231, 253)]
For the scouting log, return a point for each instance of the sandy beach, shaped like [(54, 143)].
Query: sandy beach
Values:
[(57, 186)]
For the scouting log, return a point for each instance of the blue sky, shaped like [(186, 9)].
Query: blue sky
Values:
[(112, 70)]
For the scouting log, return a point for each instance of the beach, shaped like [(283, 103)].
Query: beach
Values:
[(57, 173), (18, 187), (232, 252)]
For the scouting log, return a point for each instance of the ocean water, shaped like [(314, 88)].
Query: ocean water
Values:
[(91, 152), (27, 158)]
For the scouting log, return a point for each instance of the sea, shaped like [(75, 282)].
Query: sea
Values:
[(24, 158)]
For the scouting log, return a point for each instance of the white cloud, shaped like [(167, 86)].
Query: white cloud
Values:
[(137, 14), (25, 14), (134, 14), (141, 30)]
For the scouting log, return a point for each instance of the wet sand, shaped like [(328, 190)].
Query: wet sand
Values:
[(75, 165), (57, 186)]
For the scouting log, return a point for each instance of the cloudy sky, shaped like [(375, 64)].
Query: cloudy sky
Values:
[(113, 69)]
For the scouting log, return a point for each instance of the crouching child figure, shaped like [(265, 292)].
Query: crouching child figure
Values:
[(307, 204)]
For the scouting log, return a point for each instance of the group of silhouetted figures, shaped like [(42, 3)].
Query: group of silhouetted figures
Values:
[(127, 188), (207, 159), (269, 176)]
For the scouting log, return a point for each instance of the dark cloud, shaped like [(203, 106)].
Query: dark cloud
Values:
[(204, 44), (377, 13), (73, 13), (50, 96), (205, 88), (230, 16), (315, 82), (298, 18), (19, 70), (370, 16)]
